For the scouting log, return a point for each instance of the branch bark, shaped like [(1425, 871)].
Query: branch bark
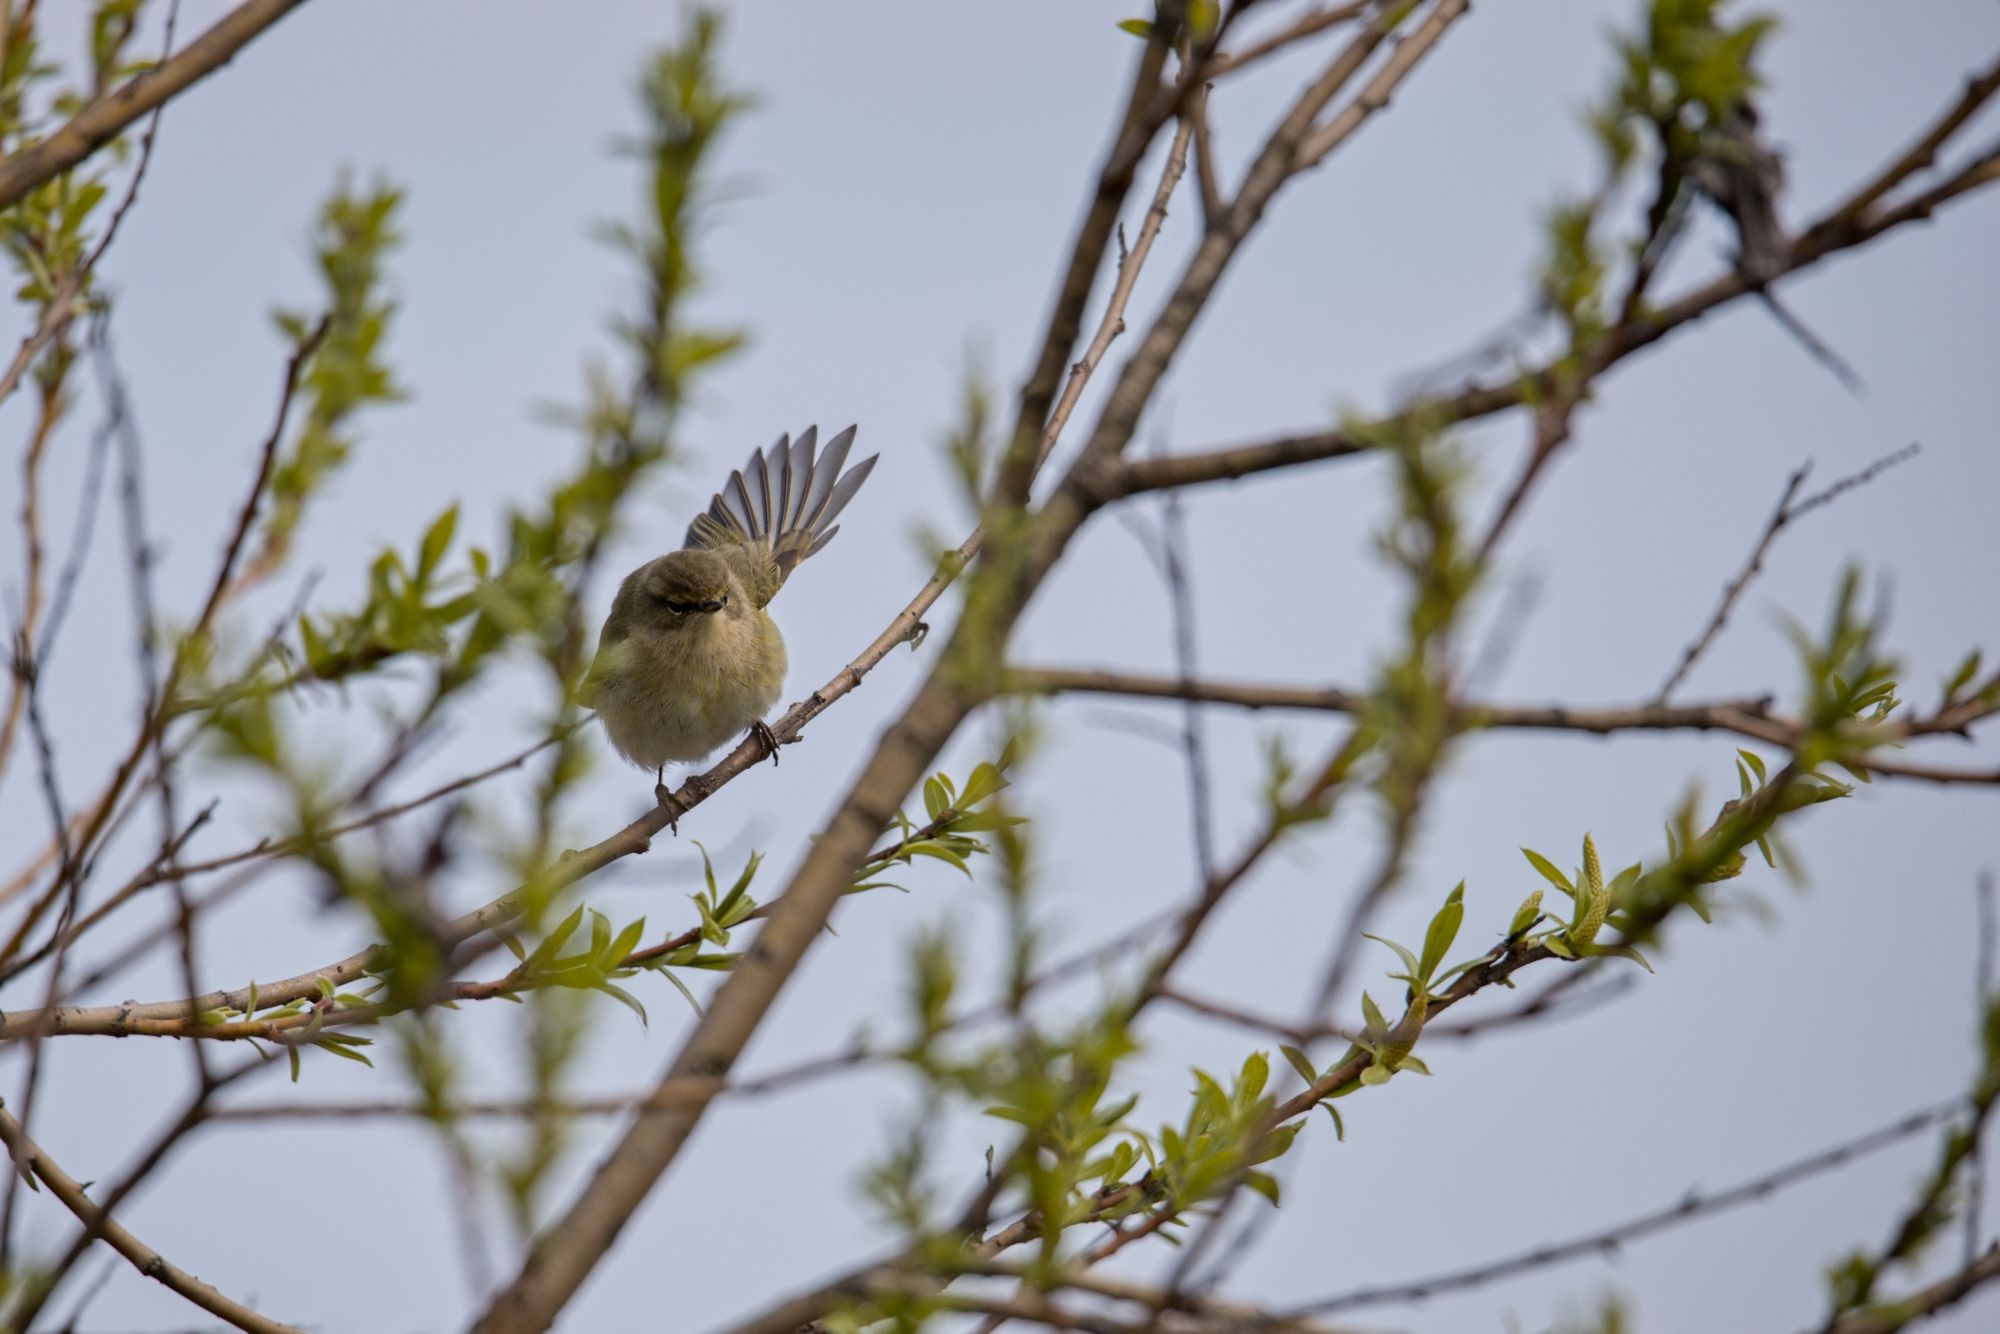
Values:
[(107, 117), (28, 1157)]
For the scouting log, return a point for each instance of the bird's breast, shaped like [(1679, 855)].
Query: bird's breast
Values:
[(680, 695)]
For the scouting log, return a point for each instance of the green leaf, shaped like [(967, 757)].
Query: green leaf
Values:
[(1376, 1074), (1962, 678), (630, 1002), (980, 822), (1624, 952), (1107, 1117), (737, 903), (293, 1052), (1414, 1064), (627, 941), (1339, 1126), (552, 944), (1255, 1074), (1525, 918), (341, 1049), (1549, 871), (682, 988), (1137, 27), (1756, 763), (1264, 1184), (985, 780), (1443, 931), (436, 539), (714, 962), (1301, 1063), (931, 847), (1277, 1141), (1409, 959), (1377, 1027)]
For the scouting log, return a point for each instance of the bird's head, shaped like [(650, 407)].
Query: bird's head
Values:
[(684, 584)]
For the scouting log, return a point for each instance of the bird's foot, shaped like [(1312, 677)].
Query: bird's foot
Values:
[(664, 795), (762, 731)]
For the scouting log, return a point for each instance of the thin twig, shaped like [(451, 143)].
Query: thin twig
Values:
[(1921, 155), (1171, 552), (1375, 95), (1307, 25), (30, 678), (1985, 998), (54, 401), (157, 715), (1782, 516), (1130, 263), (1610, 1240), (140, 559), (1749, 716), (1206, 170)]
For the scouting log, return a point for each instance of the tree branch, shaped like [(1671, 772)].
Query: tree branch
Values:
[(1838, 231), (1609, 1241), (104, 119), (28, 1157), (1785, 513)]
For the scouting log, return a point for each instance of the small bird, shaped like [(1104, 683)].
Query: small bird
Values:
[(688, 657)]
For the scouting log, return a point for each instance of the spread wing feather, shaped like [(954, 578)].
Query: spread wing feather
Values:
[(778, 509)]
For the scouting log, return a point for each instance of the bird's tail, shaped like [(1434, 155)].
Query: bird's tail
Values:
[(784, 498)]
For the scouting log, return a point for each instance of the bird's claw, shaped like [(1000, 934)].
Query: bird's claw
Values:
[(762, 731), (664, 795)]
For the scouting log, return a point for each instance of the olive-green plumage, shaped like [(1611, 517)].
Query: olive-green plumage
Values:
[(689, 659)]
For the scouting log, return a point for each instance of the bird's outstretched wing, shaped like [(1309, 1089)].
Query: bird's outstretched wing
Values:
[(779, 508)]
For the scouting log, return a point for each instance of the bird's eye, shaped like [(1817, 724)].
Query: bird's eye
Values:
[(677, 608)]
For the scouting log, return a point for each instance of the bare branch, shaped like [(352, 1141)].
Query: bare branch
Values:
[(29, 1158), (1205, 170), (1313, 21), (1403, 60), (1833, 234), (159, 709), (1129, 264), (1785, 513), (1610, 1240), (104, 119), (1920, 156), (1138, 124)]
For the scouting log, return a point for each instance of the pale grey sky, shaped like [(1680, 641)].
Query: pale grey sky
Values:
[(907, 186)]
